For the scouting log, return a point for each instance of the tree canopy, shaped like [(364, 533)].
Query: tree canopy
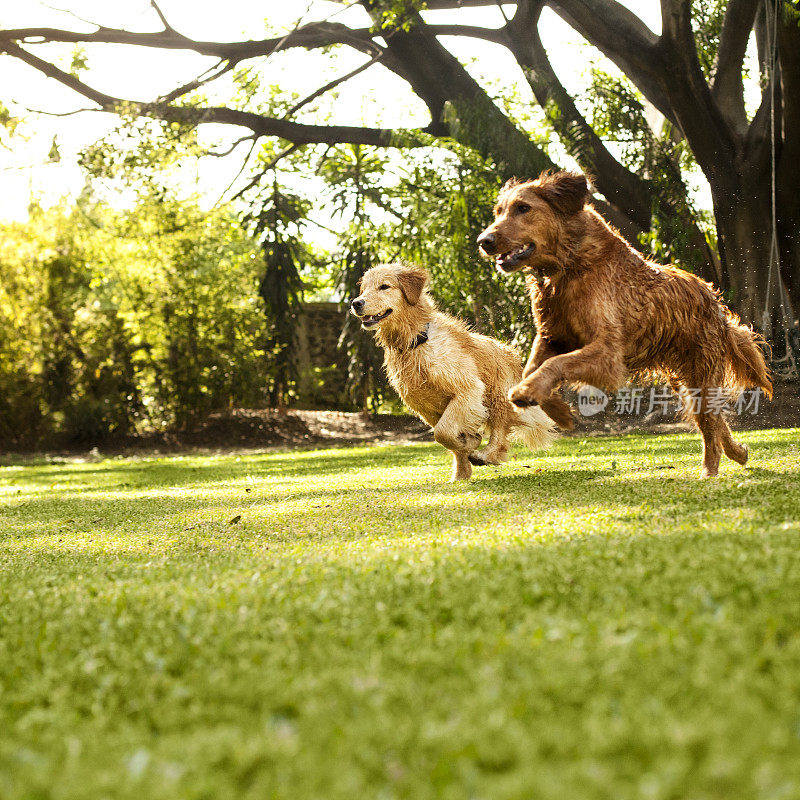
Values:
[(692, 73)]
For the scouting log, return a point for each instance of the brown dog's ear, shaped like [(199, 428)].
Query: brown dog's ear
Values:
[(566, 191), (412, 281), (512, 182)]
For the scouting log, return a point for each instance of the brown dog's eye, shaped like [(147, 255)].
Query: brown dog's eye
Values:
[(522, 208), (383, 287)]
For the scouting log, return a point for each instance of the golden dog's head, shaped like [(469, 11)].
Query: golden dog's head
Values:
[(529, 218), (386, 290)]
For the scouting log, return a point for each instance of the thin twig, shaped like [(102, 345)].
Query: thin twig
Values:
[(167, 27), (288, 151), (232, 147), (199, 81), (238, 174), (331, 85)]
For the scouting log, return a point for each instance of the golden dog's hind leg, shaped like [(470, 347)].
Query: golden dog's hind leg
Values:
[(496, 450)]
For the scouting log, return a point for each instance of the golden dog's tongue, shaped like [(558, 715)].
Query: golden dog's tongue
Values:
[(373, 319)]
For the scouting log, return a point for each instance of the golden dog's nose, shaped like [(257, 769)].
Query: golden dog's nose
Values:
[(357, 305)]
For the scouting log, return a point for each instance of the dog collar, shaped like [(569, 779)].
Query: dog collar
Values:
[(422, 337)]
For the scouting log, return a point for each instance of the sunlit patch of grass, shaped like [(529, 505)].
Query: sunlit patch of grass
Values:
[(588, 622)]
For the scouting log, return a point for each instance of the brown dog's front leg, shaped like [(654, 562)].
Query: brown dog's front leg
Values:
[(553, 406), (593, 364), (540, 352)]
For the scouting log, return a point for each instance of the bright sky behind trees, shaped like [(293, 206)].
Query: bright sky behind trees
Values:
[(144, 73)]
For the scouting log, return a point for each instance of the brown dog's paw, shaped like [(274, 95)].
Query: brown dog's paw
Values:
[(521, 396)]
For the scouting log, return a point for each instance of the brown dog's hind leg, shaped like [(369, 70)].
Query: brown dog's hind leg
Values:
[(714, 429), (712, 447), (736, 451)]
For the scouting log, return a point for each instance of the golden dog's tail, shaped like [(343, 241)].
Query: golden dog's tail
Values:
[(537, 429), (745, 366)]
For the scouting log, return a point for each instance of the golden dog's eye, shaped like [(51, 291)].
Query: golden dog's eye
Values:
[(384, 286), (522, 208)]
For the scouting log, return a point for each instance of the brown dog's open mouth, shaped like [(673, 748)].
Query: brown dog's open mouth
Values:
[(514, 259), (367, 321)]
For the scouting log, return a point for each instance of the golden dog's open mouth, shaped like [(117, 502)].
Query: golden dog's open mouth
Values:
[(367, 321), (514, 259)]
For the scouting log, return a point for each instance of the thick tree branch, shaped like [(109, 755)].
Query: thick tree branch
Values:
[(313, 35), (259, 124), (320, 34), (459, 107), (621, 187), (693, 106), (624, 39), (726, 86), (437, 5), (788, 167)]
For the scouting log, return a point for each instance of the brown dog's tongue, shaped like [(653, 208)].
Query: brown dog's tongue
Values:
[(520, 255)]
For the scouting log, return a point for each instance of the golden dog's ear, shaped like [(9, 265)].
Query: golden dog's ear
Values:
[(568, 192), (412, 281)]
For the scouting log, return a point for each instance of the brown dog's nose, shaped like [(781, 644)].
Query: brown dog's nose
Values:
[(487, 243), (357, 305)]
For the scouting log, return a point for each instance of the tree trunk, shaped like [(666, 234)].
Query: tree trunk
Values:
[(744, 229)]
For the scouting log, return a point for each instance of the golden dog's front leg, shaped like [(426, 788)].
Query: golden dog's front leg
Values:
[(459, 428)]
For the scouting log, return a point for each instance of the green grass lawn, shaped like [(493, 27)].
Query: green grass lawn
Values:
[(594, 622)]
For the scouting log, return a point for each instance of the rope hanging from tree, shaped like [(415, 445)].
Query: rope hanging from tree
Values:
[(787, 366)]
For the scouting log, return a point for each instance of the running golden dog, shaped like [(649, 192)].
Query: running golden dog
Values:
[(455, 380), (603, 311)]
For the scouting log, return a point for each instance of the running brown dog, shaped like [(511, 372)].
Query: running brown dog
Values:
[(603, 311)]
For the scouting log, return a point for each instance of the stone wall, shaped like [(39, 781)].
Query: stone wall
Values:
[(321, 365)]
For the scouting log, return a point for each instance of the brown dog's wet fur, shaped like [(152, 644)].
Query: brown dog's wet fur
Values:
[(603, 311)]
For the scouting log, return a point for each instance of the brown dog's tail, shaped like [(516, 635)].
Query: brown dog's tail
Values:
[(745, 366)]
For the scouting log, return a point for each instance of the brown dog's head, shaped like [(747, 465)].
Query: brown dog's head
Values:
[(528, 218), (388, 289)]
